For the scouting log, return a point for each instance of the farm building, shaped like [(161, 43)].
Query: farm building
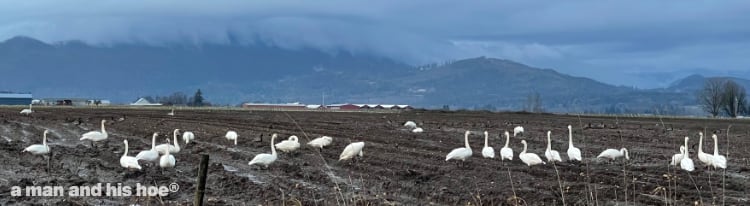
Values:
[(144, 102), (343, 107), (15, 99), (268, 106), (64, 101)]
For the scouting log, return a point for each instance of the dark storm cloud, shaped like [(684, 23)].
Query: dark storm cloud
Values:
[(613, 41)]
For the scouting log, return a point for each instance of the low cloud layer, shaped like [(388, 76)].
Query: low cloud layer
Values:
[(619, 42)]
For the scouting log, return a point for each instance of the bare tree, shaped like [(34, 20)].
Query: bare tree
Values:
[(711, 97), (733, 98)]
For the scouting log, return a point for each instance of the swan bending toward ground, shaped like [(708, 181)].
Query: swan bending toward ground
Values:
[(487, 151), (171, 113), (288, 145), (677, 158), (265, 159), (529, 158), (417, 130), (702, 156), (128, 161), (614, 154), (506, 152), (27, 111), (461, 153), (321, 142), (188, 136), (718, 160), (39, 149), (152, 154), (550, 154), (686, 163), (410, 124), (95, 136), (166, 160), (173, 148), (351, 150), (232, 135), (573, 152), (517, 130)]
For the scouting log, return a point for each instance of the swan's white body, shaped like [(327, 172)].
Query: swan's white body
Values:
[(232, 136), (686, 163), (39, 149), (321, 142), (487, 151), (517, 130), (706, 158), (188, 136), (718, 160), (171, 113), (128, 161), (677, 158), (410, 124), (265, 159), (173, 148), (152, 154), (506, 152), (352, 150), (614, 154), (417, 130), (288, 145), (96, 136), (550, 154), (529, 158), (461, 153), (573, 152), (27, 111), (166, 160)]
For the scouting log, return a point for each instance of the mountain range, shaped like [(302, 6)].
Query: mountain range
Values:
[(235, 73)]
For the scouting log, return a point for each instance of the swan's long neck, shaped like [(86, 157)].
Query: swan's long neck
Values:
[(716, 146), (126, 149), (44, 139), (103, 131), (30, 106), (686, 143), (167, 153), (174, 136), (507, 138), (486, 136), (524, 148), (466, 140), (153, 142), (700, 144), (623, 150), (549, 142), (570, 137), (273, 147)]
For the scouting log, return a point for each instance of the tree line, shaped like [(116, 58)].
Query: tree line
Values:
[(179, 98), (723, 97)]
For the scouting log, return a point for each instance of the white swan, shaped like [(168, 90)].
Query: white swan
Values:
[(288, 145), (677, 158), (321, 142), (351, 150), (95, 136), (410, 124), (171, 113), (188, 136), (461, 153), (265, 159), (718, 160), (27, 111), (417, 130), (529, 158), (232, 135), (152, 154), (706, 158), (487, 151), (686, 163), (167, 160), (573, 152), (128, 161), (614, 154), (517, 130), (39, 149), (506, 152), (173, 148), (550, 154)]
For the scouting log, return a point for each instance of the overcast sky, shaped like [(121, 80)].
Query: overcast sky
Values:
[(634, 43)]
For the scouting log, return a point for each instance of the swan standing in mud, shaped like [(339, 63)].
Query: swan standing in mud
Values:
[(27, 111), (518, 130), (718, 160), (232, 135), (166, 160), (614, 154), (95, 136), (487, 151), (188, 136), (529, 158), (706, 158), (573, 152), (39, 149), (265, 159), (152, 154), (352, 150), (171, 113), (506, 152), (550, 154), (461, 153), (410, 124), (677, 158), (128, 161), (288, 145), (162, 148), (321, 142), (417, 130), (686, 163)]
